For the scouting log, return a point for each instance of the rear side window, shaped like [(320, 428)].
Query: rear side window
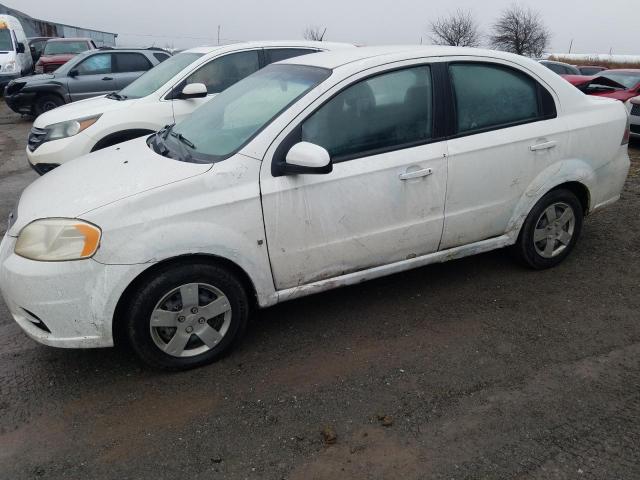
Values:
[(491, 96), (273, 55), (161, 57), (221, 73), (132, 62), (95, 65), (382, 113)]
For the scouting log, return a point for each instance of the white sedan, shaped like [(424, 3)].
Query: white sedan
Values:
[(313, 173)]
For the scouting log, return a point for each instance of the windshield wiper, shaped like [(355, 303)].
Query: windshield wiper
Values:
[(183, 139), (117, 96)]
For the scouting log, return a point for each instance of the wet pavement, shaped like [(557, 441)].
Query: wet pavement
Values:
[(475, 368)]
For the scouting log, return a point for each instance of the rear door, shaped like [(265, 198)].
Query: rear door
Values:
[(95, 77), (506, 131), (128, 66), (217, 75)]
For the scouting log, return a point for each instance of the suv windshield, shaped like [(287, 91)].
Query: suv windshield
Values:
[(62, 48), (222, 126), (5, 40), (155, 78)]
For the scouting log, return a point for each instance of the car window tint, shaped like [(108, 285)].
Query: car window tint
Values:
[(490, 95), (95, 65), (161, 57), (386, 111), (223, 72), (273, 55), (132, 62)]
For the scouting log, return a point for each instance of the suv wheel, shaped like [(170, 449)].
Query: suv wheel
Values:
[(44, 103)]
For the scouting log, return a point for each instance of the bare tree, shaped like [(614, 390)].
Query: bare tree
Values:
[(520, 30), (315, 33), (458, 29)]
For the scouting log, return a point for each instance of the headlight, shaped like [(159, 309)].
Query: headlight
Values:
[(70, 127), (58, 239), (10, 66)]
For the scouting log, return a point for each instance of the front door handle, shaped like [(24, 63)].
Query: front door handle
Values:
[(409, 174), (543, 146), (107, 78)]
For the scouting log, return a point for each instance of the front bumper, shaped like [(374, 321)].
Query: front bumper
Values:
[(63, 304), (5, 79), (20, 102), (57, 152)]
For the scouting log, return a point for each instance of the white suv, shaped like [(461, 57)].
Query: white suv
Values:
[(164, 95), (316, 172)]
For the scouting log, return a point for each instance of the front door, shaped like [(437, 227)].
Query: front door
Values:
[(384, 200), (95, 77)]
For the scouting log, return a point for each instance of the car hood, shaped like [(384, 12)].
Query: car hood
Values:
[(80, 109), (43, 77), (99, 179), (62, 58)]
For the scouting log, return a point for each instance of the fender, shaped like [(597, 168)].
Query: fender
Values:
[(51, 87), (572, 170)]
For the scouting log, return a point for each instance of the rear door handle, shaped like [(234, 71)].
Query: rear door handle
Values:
[(107, 78), (416, 174), (543, 146)]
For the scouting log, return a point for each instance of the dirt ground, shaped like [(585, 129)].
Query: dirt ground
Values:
[(475, 369)]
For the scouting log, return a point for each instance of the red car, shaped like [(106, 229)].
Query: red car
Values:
[(619, 84), (59, 51)]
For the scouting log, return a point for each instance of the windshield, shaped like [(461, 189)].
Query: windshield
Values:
[(5, 40), (628, 79), (155, 78), (222, 126), (62, 48)]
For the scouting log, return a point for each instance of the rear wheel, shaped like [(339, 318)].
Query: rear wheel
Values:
[(187, 316), (551, 230), (44, 103)]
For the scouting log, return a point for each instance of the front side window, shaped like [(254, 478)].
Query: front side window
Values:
[(223, 72), (62, 48), (223, 125), (388, 111), (95, 65), (487, 96), (158, 76), (273, 55), (132, 62)]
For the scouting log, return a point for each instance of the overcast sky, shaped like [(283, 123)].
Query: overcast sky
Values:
[(595, 26)]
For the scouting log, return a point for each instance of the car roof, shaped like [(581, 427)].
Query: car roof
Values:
[(624, 70), (268, 44), (335, 59), (70, 39)]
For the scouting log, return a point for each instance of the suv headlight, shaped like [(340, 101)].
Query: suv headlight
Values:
[(69, 128), (10, 66), (58, 239)]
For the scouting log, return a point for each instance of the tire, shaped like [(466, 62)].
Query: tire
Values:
[(176, 339), (543, 243), (44, 103)]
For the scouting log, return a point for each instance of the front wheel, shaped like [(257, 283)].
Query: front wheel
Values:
[(44, 103), (551, 230), (186, 316)]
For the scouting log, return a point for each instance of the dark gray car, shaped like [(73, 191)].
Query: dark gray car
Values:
[(87, 75)]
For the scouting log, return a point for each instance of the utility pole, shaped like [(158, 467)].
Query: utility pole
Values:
[(571, 45), (218, 34)]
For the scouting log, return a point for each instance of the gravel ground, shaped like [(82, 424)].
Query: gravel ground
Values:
[(472, 369)]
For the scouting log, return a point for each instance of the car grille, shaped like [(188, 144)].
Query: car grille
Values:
[(36, 138), (635, 110), (14, 87), (51, 68)]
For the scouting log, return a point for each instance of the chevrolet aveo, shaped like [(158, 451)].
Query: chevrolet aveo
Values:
[(316, 172)]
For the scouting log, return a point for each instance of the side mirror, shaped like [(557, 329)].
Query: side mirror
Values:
[(73, 73), (307, 158), (194, 90), (20, 47)]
